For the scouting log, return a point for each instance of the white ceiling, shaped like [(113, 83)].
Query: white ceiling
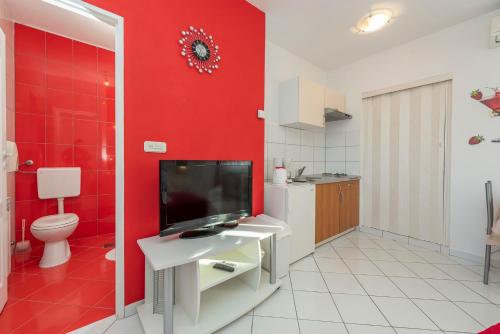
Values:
[(320, 30), (79, 25)]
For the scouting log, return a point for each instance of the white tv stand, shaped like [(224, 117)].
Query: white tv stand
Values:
[(197, 298)]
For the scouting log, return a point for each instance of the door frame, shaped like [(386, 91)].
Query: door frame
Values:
[(117, 22), (444, 77), (5, 227)]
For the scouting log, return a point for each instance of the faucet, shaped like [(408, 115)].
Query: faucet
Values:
[(300, 171)]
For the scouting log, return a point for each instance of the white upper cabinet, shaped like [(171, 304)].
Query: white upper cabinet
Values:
[(334, 100), (302, 104)]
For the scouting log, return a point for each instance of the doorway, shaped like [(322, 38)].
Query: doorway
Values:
[(404, 161), (101, 229)]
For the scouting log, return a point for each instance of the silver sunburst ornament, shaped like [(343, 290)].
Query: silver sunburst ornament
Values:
[(200, 50)]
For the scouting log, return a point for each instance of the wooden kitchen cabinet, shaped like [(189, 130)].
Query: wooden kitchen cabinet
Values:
[(349, 205), (337, 208), (327, 211)]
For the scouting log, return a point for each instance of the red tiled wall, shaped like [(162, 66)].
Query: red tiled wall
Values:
[(65, 117)]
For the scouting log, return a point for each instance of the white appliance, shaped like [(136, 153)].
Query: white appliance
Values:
[(294, 204)]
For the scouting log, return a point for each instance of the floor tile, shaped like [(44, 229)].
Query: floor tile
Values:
[(490, 291), (327, 265), (315, 306), (241, 326), (359, 310), (88, 294), (305, 264), (434, 257), (308, 281), (129, 325), (378, 255), (368, 329), (393, 269), (342, 242), (285, 283), (362, 267), (280, 304), (415, 331), (417, 288), (321, 327), (351, 253), (19, 314), (379, 286), (406, 256), (390, 244), (487, 314), (364, 243), (53, 320), (427, 270), (456, 291), (56, 292), (343, 283), (459, 272), (401, 312), (264, 325), (325, 251), (447, 316), (89, 317)]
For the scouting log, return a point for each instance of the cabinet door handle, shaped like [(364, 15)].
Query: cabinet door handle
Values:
[(341, 197)]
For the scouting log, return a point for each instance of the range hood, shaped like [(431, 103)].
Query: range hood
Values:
[(332, 115)]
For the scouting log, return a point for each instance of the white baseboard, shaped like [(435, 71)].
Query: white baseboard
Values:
[(370, 230)]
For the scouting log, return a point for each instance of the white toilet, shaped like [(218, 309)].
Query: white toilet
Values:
[(55, 229)]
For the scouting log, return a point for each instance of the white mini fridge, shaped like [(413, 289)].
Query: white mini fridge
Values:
[(295, 204)]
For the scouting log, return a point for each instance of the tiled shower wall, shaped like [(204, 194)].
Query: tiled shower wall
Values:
[(65, 117), (303, 147), (343, 152)]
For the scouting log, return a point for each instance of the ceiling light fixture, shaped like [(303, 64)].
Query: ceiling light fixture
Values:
[(374, 21)]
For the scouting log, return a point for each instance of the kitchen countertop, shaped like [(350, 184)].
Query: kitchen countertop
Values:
[(330, 179)]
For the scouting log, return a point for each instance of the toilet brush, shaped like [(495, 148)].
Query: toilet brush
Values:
[(23, 245)]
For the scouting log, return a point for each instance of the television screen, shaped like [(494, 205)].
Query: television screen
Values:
[(196, 194)]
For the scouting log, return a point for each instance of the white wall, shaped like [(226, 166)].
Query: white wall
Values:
[(461, 50), (305, 148)]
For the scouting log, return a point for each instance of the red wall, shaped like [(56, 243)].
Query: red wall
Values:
[(199, 116), (65, 117)]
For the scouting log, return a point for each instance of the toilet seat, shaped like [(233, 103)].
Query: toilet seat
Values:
[(54, 221)]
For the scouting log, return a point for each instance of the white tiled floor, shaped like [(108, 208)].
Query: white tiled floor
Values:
[(362, 284)]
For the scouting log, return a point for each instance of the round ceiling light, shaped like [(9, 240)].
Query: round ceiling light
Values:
[(374, 21)]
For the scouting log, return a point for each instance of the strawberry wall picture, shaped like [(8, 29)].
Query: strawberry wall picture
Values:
[(490, 99), (200, 50)]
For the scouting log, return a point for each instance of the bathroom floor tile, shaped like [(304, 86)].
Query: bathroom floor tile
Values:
[(61, 298)]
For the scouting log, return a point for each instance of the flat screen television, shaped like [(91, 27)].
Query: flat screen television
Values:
[(196, 196)]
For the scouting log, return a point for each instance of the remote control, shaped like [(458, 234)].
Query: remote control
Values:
[(223, 266)]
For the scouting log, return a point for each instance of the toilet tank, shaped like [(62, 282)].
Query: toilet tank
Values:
[(58, 182)]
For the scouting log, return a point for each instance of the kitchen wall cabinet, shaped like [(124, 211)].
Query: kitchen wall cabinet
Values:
[(337, 208), (334, 100), (302, 104)]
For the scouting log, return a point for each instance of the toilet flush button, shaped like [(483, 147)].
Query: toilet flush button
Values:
[(155, 147)]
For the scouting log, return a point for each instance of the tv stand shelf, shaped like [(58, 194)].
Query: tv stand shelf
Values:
[(198, 298)]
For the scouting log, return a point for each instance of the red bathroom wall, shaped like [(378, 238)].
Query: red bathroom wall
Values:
[(65, 117), (200, 116)]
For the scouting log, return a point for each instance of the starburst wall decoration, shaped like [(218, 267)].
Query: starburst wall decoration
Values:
[(200, 50)]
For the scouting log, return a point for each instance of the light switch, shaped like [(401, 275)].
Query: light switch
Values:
[(261, 114), (155, 147)]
